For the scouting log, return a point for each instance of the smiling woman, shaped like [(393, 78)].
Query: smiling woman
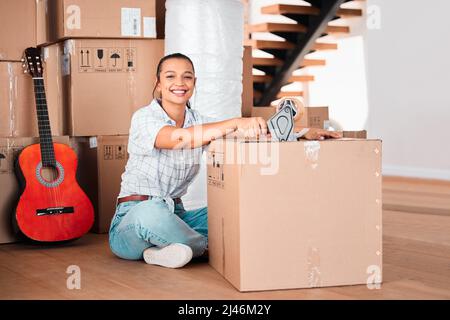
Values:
[(165, 145), (150, 222)]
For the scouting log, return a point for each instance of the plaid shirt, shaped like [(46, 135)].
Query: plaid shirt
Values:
[(164, 173)]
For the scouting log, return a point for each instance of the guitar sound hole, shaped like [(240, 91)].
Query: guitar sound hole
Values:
[(49, 174)]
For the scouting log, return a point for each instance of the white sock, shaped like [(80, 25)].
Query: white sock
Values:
[(175, 255)]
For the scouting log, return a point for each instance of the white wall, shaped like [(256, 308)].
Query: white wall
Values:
[(409, 86), (342, 83), (392, 81)]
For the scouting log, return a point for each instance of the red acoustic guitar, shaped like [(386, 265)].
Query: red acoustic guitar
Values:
[(52, 206)]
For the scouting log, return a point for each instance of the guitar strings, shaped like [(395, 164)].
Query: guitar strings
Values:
[(46, 143)]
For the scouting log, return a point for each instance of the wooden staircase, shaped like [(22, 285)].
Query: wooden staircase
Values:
[(300, 38)]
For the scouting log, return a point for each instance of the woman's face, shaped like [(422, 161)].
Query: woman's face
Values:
[(177, 81)]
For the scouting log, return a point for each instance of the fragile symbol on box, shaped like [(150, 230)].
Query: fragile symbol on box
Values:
[(120, 152), (215, 175), (108, 153), (100, 64), (115, 60)]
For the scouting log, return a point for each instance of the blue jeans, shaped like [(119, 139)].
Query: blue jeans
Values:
[(138, 225)]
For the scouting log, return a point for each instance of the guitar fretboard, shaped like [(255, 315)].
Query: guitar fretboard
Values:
[(45, 132)]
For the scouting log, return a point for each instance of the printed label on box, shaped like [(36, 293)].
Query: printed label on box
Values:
[(149, 27), (215, 172), (315, 121), (131, 22), (93, 142), (107, 60)]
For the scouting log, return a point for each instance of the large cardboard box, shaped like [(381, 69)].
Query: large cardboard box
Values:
[(21, 27), (9, 195), (247, 82), (295, 214), (101, 162), (17, 102), (106, 81), (101, 19)]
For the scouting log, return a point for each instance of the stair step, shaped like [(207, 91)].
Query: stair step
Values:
[(312, 62), (325, 46), (283, 94), (262, 78), (267, 62), (344, 12), (278, 62), (267, 78), (337, 29), (290, 9), (304, 78), (277, 27), (266, 44)]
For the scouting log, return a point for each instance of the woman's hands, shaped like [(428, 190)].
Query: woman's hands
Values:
[(257, 126), (321, 134), (170, 137), (251, 127)]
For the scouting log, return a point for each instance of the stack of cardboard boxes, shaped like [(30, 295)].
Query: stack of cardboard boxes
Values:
[(99, 66), (99, 61)]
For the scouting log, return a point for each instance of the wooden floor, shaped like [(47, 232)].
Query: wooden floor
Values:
[(416, 262)]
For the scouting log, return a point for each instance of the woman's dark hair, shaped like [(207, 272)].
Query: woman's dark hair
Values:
[(168, 57)]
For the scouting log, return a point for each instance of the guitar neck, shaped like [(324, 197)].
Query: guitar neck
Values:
[(45, 133)]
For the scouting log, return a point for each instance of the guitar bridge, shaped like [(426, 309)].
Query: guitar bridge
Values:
[(54, 211)]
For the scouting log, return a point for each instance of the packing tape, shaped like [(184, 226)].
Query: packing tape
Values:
[(12, 91), (223, 247), (59, 88), (45, 2), (45, 54), (69, 46), (132, 90), (65, 61), (299, 106), (312, 149), (313, 265), (69, 49)]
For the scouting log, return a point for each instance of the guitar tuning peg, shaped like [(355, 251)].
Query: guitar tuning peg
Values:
[(22, 60), (25, 71)]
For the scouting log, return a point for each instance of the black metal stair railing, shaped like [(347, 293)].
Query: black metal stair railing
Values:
[(304, 42)]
